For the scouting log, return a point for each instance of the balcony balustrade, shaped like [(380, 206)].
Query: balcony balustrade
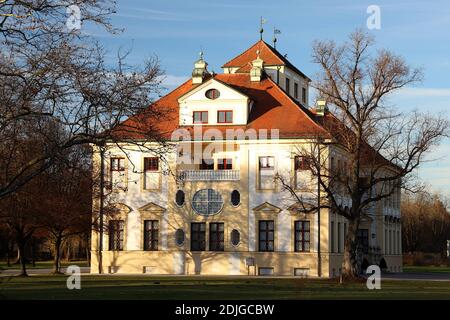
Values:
[(208, 175)]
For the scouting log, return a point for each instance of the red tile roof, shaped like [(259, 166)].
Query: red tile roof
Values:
[(272, 109), (267, 53)]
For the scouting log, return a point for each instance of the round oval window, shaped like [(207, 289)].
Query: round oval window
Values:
[(235, 198), (179, 197), (207, 202), (179, 237), (235, 237), (212, 94)]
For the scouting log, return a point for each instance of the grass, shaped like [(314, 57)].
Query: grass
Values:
[(192, 287), (426, 269), (43, 265)]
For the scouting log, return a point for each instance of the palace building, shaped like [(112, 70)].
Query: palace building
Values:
[(219, 210)]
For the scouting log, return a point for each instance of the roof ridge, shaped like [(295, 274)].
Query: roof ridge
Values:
[(240, 53), (247, 50), (301, 107)]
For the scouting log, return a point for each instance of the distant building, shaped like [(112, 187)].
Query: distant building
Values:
[(225, 214)]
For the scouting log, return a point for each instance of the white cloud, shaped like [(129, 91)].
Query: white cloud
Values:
[(424, 92)]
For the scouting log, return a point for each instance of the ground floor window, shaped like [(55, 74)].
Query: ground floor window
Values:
[(198, 230), (332, 236), (151, 228), (362, 240), (235, 237), (216, 236), (116, 232), (266, 235), (339, 241), (302, 236)]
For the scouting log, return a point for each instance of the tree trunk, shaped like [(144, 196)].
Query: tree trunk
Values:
[(9, 249), (67, 257), (32, 245), (17, 261), (57, 258), (350, 263), (21, 246), (88, 250)]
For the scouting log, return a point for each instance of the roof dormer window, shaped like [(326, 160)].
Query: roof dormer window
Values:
[(212, 94)]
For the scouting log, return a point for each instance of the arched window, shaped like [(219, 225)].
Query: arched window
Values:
[(179, 197), (179, 237), (212, 94), (207, 202), (235, 198), (235, 237)]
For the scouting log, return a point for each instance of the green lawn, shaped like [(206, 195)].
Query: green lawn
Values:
[(185, 287), (426, 269), (42, 265)]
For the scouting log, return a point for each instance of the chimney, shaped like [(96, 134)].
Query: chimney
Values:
[(321, 107), (199, 70), (257, 68)]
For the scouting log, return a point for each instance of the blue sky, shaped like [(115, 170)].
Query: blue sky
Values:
[(176, 31)]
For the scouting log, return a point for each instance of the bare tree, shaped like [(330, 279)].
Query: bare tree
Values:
[(54, 75), (413, 222), (65, 210), (382, 146), (425, 223)]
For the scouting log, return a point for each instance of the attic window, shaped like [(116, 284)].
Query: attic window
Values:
[(212, 94)]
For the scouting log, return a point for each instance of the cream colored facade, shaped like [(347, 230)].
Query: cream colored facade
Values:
[(151, 196)]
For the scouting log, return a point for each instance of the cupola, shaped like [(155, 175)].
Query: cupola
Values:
[(321, 107), (256, 71), (199, 71)]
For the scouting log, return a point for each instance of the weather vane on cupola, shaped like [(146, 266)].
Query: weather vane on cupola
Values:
[(261, 30), (275, 32)]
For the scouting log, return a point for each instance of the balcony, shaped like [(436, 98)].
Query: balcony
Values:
[(208, 175)]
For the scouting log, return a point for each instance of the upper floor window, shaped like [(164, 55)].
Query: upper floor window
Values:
[(207, 164), (224, 116), (295, 90), (304, 95), (212, 94), (266, 173), (117, 164), (151, 164), (302, 163), (151, 174), (207, 202), (235, 198), (179, 197), (288, 84), (118, 176), (266, 162), (225, 164), (200, 116)]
